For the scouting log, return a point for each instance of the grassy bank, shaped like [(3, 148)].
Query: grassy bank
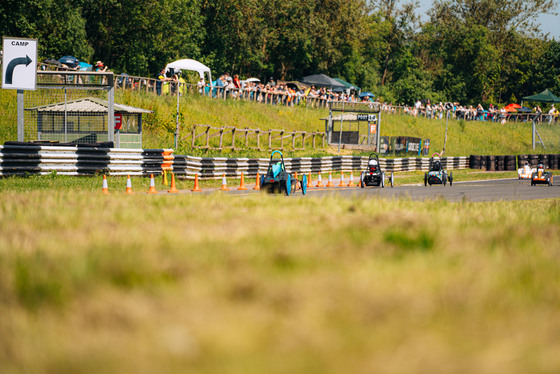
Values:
[(216, 284), (464, 138)]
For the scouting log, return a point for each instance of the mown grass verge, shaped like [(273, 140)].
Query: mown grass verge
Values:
[(220, 284), (55, 182)]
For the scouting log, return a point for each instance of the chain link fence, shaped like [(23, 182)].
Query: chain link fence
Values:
[(68, 107)]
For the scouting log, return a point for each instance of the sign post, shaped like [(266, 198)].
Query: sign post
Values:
[(19, 72), (19, 63)]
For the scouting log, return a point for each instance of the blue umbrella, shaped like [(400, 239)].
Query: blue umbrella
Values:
[(366, 94), (69, 61)]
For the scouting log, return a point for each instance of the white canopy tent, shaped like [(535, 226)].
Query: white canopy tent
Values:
[(192, 65)]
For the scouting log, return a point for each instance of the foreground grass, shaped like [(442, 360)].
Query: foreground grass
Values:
[(217, 284)]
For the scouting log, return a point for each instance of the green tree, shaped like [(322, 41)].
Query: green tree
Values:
[(484, 48), (57, 25), (547, 69), (141, 36)]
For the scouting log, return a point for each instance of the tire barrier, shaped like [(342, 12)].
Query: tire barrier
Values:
[(24, 159), (550, 161), (216, 167), (512, 163), (533, 160), (553, 161)]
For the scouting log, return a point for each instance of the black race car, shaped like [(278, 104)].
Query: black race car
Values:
[(374, 176), (541, 176)]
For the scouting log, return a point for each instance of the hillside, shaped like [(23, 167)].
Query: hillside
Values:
[(464, 138)]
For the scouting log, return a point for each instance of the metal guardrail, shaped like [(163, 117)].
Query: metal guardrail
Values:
[(23, 159), (212, 168)]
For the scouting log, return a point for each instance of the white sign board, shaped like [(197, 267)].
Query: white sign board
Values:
[(19, 63), (366, 117)]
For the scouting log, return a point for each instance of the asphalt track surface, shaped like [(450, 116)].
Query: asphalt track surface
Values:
[(475, 191)]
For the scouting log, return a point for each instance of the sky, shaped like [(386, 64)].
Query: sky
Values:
[(550, 24)]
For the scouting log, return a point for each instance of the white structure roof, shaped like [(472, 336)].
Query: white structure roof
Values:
[(192, 65), (87, 105)]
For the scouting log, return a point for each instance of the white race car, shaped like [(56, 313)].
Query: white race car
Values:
[(526, 171)]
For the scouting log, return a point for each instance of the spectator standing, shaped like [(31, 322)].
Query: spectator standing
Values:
[(552, 115), (162, 85), (417, 107), (200, 85), (428, 110), (100, 67), (538, 112), (236, 81), (503, 116), (271, 82), (479, 112)]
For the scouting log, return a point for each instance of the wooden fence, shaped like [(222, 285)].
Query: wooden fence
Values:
[(227, 137)]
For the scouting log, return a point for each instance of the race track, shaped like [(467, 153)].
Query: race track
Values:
[(491, 190)]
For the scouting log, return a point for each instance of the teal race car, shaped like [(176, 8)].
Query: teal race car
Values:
[(277, 180), (436, 174)]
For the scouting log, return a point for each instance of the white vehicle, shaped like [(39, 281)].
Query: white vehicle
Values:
[(526, 171)]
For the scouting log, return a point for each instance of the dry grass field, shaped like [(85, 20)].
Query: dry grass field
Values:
[(261, 284)]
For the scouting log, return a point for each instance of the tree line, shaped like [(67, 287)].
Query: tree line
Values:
[(468, 51)]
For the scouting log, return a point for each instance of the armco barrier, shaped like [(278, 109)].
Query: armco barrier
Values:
[(188, 166), (21, 159)]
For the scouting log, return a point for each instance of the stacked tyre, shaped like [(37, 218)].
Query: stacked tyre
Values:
[(475, 162), (483, 162), (543, 159), (553, 162), (500, 163), (521, 160), (509, 163), (533, 160), (491, 163)]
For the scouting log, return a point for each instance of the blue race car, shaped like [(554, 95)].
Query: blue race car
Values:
[(277, 180), (436, 174)]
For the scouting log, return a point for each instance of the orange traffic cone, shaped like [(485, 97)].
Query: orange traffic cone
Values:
[(319, 182), (196, 188), (258, 183), (242, 184), (105, 187), (309, 184), (224, 183), (351, 183), (152, 185), (341, 184), (330, 183), (298, 186), (173, 188), (128, 185)]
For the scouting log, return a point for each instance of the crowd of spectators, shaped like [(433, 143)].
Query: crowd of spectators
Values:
[(479, 113), (287, 93), (292, 94)]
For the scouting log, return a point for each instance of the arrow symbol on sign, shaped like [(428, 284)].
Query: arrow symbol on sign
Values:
[(12, 65)]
